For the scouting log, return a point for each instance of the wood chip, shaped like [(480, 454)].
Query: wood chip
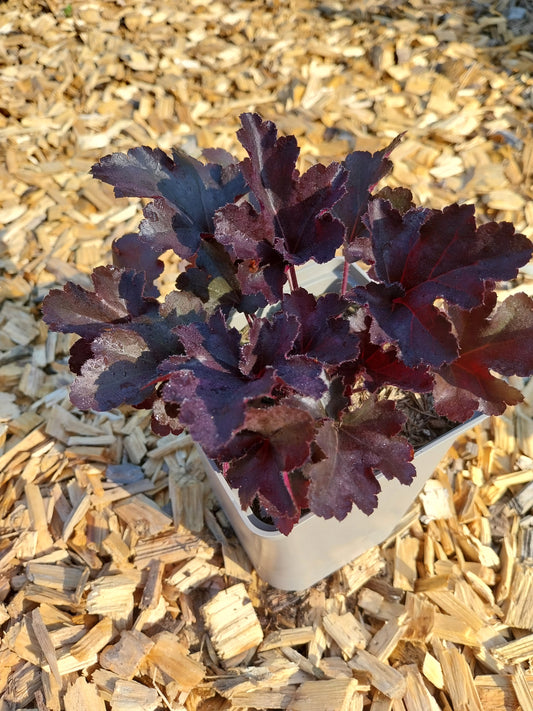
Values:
[(347, 632), (458, 678), (173, 659), (327, 695), (232, 623), (125, 656), (95, 640), (83, 696), (382, 676)]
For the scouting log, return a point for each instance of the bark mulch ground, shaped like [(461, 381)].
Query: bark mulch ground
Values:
[(122, 586)]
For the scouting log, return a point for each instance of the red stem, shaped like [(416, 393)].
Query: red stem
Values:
[(293, 281), (345, 272)]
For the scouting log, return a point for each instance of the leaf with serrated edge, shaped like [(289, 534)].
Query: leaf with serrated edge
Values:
[(208, 384), (324, 332), (271, 342), (118, 296), (365, 170), (122, 369), (272, 442), (499, 342), (186, 193), (363, 443), (130, 253), (425, 255), (294, 212), (381, 366)]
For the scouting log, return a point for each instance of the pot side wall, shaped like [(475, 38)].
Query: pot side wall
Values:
[(316, 547)]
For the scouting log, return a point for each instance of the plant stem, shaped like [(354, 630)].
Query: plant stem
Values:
[(293, 281), (345, 272)]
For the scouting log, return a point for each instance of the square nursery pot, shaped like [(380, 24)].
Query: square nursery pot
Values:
[(316, 547)]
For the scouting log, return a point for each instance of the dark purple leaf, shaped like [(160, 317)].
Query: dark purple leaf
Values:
[(208, 385), (219, 283), (122, 369), (459, 395), (284, 520), (117, 362), (272, 442), (270, 344), (243, 231), (364, 443), (381, 366), (186, 193), (261, 280), (212, 402), (293, 210), (130, 253), (118, 297), (384, 367), (164, 227), (365, 170), (424, 333), (247, 236), (271, 166), (425, 255), (211, 275), (500, 342), (442, 254), (324, 331)]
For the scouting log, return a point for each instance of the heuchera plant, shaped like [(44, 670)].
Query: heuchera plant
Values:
[(272, 404)]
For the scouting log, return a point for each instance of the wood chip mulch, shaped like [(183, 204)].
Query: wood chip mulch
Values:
[(122, 586)]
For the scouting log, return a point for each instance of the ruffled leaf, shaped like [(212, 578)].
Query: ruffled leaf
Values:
[(425, 255), (380, 366), (118, 296), (293, 215), (247, 235), (270, 345), (270, 445), (186, 193), (125, 337), (499, 342), (364, 170), (362, 444), (208, 385), (130, 253), (122, 369), (324, 331)]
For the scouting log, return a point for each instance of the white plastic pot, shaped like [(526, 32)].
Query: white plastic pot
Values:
[(316, 547)]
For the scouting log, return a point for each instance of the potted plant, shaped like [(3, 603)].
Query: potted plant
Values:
[(297, 398)]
